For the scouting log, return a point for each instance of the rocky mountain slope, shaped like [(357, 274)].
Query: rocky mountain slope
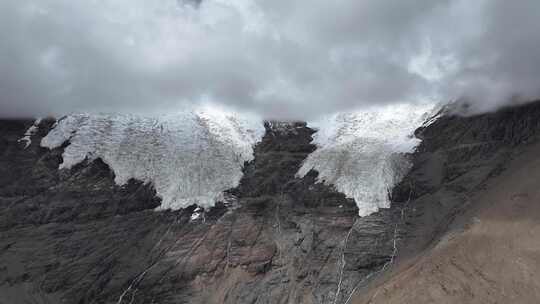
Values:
[(75, 236), (482, 174)]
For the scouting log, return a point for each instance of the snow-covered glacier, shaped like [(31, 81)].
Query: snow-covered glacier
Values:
[(193, 156), (361, 153), (189, 157)]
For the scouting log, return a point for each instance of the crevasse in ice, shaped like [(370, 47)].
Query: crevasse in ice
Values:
[(189, 157), (361, 153)]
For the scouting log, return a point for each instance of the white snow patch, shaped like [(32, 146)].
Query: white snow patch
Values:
[(437, 112), (197, 214), (189, 157), (27, 138), (361, 153), (283, 127)]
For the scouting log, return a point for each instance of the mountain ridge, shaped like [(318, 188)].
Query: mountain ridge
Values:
[(75, 235)]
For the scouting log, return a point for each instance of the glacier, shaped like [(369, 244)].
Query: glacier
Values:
[(361, 153), (189, 157), (192, 157)]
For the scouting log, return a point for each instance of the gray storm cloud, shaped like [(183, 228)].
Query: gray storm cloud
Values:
[(280, 59)]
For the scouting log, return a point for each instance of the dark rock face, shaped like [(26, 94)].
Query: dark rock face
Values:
[(74, 235), (456, 158)]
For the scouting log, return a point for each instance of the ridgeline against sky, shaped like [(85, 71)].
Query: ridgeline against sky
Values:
[(280, 59)]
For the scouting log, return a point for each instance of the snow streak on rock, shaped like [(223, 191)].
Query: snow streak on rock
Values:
[(189, 157), (361, 153), (27, 138)]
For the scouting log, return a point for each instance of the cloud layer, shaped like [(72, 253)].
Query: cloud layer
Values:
[(281, 59)]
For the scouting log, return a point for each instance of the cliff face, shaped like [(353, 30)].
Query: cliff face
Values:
[(74, 235)]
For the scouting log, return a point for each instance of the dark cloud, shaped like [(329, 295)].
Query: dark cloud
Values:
[(500, 62), (281, 59)]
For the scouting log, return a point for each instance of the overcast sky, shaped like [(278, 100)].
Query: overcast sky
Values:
[(282, 58)]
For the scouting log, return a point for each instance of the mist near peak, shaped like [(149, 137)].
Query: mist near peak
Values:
[(280, 59)]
